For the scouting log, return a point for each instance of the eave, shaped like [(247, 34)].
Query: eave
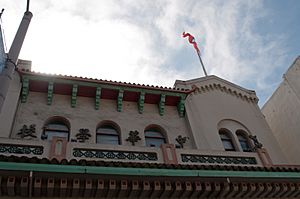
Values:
[(102, 89), (47, 180), (154, 172)]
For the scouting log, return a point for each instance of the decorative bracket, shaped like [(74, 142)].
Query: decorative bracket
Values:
[(161, 105), (141, 102), (97, 100), (50, 93), (180, 107), (74, 95), (25, 89), (120, 100)]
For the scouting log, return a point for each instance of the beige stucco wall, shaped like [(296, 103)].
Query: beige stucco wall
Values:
[(282, 113), (207, 107), (36, 111), (207, 110)]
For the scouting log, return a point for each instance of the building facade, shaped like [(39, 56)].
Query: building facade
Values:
[(64, 136), (282, 113)]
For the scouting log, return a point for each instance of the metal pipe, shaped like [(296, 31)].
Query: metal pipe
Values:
[(27, 7), (203, 68), (30, 184), (13, 54)]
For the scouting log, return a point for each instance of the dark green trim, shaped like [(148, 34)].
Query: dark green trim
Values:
[(120, 100), (25, 89), (180, 107), (143, 171), (141, 102), (50, 93), (74, 95), (97, 98), (161, 105)]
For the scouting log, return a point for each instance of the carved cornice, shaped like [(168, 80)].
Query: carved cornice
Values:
[(212, 83), (225, 89)]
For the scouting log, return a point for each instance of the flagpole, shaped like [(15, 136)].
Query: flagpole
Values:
[(205, 73)]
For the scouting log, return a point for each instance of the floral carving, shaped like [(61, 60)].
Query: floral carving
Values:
[(257, 144), (83, 135), (133, 137), (25, 132), (181, 140)]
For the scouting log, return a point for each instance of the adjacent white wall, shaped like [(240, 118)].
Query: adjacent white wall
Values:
[(282, 112)]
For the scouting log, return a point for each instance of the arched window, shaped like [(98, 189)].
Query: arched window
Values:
[(107, 134), (56, 127), (244, 141), (154, 137), (226, 140)]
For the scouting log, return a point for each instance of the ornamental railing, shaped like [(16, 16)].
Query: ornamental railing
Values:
[(21, 149), (216, 159), (113, 154)]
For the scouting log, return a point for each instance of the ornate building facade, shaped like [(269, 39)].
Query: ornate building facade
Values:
[(64, 136)]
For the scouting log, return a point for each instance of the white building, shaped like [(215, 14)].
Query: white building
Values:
[(282, 112)]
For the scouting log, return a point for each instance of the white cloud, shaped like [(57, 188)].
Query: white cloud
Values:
[(140, 41)]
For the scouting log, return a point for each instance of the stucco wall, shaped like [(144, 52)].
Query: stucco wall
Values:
[(206, 108), (282, 113), (36, 111)]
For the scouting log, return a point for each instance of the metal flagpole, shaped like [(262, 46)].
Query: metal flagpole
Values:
[(205, 73)]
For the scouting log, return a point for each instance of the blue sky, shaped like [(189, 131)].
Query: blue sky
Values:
[(251, 43)]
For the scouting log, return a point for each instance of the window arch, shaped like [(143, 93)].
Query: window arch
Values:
[(108, 133), (244, 140), (56, 127), (154, 136), (226, 140)]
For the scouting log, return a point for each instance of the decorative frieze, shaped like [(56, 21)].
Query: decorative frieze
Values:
[(117, 155), (213, 159), (176, 97), (21, 149)]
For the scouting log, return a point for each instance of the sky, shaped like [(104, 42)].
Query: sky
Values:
[(248, 42)]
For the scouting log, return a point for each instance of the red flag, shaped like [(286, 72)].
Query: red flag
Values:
[(191, 40)]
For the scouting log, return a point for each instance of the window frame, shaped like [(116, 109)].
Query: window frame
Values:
[(111, 135), (244, 135), (225, 136), (49, 131), (160, 138)]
